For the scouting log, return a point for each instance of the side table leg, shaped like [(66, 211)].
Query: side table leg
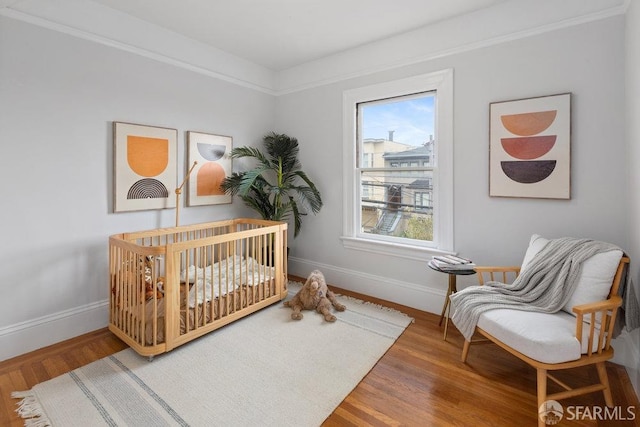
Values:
[(447, 304)]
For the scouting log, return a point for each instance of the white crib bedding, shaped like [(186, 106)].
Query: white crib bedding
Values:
[(224, 277)]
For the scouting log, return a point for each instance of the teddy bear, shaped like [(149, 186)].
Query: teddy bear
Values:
[(148, 280), (138, 273), (314, 295)]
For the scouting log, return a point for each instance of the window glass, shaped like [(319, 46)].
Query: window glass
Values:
[(396, 144)]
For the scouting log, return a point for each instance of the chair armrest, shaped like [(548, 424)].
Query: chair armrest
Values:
[(495, 273), (593, 307), (602, 314)]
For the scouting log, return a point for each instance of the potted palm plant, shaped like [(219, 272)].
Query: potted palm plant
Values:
[(276, 187)]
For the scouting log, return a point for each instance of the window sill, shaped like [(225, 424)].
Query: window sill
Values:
[(418, 253)]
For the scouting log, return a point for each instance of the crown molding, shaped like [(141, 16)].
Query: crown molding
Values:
[(504, 22), (99, 24), (499, 24)]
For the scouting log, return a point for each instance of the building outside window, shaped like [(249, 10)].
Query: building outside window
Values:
[(402, 165)]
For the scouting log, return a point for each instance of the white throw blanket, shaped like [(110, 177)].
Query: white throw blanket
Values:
[(544, 286), (224, 277)]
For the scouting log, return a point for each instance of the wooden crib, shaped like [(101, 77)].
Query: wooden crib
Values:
[(171, 285)]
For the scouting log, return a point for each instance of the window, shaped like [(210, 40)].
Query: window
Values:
[(366, 189), (423, 202), (367, 159), (398, 143)]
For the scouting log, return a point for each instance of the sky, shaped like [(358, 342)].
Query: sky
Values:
[(412, 120)]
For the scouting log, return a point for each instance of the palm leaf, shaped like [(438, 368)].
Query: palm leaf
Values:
[(273, 188)]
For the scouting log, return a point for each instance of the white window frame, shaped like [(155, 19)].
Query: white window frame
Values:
[(442, 83)]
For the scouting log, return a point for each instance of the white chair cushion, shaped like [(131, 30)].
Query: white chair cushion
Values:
[(548, 338), (595, 278)]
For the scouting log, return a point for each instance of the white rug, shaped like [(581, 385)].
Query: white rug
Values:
[(263, 370)]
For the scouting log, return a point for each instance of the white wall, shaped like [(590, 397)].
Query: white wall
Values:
[(586, 60), (58, 97), (631, 349)]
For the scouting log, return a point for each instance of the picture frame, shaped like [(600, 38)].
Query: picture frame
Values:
[(211, 153), (145, 167), (530, 147)]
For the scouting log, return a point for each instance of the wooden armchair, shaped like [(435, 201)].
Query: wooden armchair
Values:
[(551, 343)]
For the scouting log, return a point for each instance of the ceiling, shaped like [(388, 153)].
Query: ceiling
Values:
[(280, 34)]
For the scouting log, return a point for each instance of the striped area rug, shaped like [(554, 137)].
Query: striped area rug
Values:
[(263, 370)]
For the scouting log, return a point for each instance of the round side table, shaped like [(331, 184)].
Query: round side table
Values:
[(452, 289)]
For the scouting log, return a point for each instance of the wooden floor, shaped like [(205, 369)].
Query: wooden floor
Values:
[(419, 382)]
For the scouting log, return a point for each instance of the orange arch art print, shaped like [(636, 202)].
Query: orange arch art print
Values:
[(144, 167), (147, 156), (530, 147), (527, 124), (211, 152)]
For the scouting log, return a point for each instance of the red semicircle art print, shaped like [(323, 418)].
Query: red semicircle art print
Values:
[(529, 147)]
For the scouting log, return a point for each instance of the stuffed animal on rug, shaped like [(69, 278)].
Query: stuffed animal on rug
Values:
[(314, 295)]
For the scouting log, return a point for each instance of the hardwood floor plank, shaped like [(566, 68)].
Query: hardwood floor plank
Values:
[(367, 414), (9, 382), (420, 381), (347, 416)]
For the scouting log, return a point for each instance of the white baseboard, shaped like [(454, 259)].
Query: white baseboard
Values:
[(33, 334), (627, 352), (410, 294), (37, 333)]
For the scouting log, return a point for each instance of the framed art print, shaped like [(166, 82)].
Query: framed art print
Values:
[(211, 152), (145, 167), (529, 147)]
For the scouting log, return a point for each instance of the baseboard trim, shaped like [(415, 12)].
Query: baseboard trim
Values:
[(431, 300), (36, 333), (627, 353), (410, 294)]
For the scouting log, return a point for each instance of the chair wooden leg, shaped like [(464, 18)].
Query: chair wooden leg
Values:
[(604, 380), (542, 393), (465, 350)]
